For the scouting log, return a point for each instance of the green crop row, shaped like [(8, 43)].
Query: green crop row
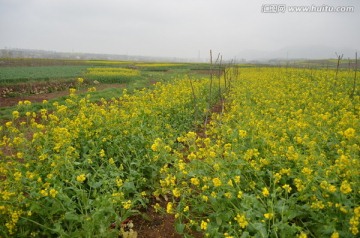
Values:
[(13, 75)]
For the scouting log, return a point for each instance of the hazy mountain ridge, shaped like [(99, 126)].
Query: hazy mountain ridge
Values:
[(286, 53), (305, 52), (30, 53)]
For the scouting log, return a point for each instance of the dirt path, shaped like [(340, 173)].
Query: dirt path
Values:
[(156, 226), (13, 101), (163, 225)]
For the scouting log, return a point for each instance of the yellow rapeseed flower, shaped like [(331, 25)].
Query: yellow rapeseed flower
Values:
[(53, 192), (203, 225), (242, 133), (111, 161), (15, 114), (241, 220), (44, 192), (119, 182), (204, 198), (265, 192), (357, 211), (157, 207), (237, 179), (226, 235), (102, 153), (335, 235), (81, 178), (240, 194), (169, 208), (17, 176), (176, 192), (80, 80), (127, 204), (302, 235), (195, 181), (345, 187), (269, 215), (349, 133), (287, 188), (228, 195), (216, 182)]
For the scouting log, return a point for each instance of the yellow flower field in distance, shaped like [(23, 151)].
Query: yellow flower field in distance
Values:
[(111, 74)]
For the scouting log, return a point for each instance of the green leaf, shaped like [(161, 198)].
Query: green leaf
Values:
[(179, 227), (245, 235), (218, 221), (129, 187), (70, 216), (260, 228), (96, 185)]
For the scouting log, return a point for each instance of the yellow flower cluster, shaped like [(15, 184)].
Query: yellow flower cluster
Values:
[(241, 220), (282, 155), (289, 133), (111, 75), (355, 221), (71, 163), (157, 64), (81, 178), (80, 80), (112, 72)]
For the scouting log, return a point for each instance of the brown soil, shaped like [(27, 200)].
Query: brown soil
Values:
[(32, 88), (216, 108), (155, 226), (12, 101)]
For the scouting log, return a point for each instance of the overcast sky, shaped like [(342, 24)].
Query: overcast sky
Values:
[(173, 28)]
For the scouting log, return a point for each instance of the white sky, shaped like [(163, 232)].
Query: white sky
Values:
[(173, 28)]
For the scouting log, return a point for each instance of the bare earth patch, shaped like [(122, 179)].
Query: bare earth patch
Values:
[(155, 226), (13, 101)]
